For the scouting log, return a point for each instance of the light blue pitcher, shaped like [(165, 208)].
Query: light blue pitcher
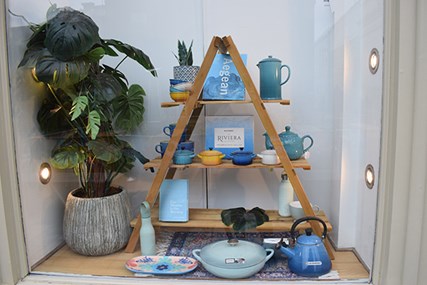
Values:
[(270, 71)]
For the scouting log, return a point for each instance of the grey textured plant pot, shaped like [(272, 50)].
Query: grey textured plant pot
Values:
[(97, 226), (185, 72)]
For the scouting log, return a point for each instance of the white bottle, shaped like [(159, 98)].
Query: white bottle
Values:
[(286, 195), (147, 236)]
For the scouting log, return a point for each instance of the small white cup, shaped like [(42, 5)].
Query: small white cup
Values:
[(269, 157), (297, 211)]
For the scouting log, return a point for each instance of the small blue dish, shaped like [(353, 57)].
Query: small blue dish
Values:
[(175, 81)]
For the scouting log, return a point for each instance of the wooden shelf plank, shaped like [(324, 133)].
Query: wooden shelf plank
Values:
[(174, 104), (226, 163), (210, 219)]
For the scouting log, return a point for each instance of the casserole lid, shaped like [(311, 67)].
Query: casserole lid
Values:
[(233, 253)]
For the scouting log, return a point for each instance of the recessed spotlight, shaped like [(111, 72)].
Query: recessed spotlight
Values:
[(45, 173), (374, 60), (369, 176)]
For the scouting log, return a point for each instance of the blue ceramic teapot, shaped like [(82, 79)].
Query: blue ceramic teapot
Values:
[(308, 257), (293, 144)]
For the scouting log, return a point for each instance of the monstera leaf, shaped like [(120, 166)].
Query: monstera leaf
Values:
[(70, 34), (243, 220), (129, 108), (69, 156), (105, 151), (60, 74), (132, 52)]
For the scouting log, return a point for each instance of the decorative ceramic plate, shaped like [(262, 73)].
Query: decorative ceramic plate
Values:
[(161, 264)]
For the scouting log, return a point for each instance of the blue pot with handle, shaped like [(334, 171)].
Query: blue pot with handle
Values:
[(270, 80), (308, 257), (293, 144)]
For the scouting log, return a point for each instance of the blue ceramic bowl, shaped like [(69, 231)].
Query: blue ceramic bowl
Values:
[(175, 81)]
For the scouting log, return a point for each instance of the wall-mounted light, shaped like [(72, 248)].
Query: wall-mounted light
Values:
[(369, 176), (374, 60), (45, 173)]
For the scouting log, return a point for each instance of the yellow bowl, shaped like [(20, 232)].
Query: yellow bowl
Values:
[(179, 96)]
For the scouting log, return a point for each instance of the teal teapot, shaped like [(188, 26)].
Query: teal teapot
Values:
[(293, 144), (270, 80)]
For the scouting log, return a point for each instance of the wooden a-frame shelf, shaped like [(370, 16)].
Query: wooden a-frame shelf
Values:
[(210, 220), (201, 102), (226, 163), (191, 111)]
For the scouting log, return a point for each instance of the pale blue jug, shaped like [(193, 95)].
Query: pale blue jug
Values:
[(270, 71)]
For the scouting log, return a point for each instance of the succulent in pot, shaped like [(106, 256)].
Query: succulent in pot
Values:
[(185, 71), (87, 104)]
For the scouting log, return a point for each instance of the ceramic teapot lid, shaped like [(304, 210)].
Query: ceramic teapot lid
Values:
[(288, 133), (270, 58), (233, 254)]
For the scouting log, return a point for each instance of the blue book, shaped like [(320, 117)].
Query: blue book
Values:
[(173, 200), (229, 133), (223, 81)]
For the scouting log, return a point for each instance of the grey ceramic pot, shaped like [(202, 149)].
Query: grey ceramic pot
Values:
[(97, 226), (233, 259)]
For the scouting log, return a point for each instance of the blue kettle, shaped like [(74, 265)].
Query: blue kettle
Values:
[(308, 257)]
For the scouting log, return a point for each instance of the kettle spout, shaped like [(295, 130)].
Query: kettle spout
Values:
[(289, 252)]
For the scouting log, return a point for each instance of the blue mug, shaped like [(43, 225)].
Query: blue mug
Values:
[(168, 130), (161, 148)]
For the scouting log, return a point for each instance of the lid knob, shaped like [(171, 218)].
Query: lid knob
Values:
[(308, 232)]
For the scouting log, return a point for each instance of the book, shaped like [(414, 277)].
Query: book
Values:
[(229, 133), (223, 82), (173, 200)]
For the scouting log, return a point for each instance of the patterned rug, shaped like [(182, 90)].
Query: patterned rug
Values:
[(183, 243)]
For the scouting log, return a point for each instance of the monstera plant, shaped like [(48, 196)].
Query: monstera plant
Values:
[(86, 107), (87, 104)]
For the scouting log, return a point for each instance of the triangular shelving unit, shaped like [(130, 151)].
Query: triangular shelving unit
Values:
[(189, 115)]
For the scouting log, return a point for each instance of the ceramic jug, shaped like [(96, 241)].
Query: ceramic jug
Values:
[(270, 71)]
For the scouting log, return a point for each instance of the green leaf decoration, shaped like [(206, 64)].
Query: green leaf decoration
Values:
[(243, 220), (70, 34), (104, 87), (67, 157), (129, 108), (61, 74), (52, 117), (105, 151), (93, 123), (79, 105), (132, 52), (96, 54)]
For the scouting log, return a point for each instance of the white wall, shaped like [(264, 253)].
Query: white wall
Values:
[(326, 90)]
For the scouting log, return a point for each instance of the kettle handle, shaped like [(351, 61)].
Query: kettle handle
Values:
[(308, 218), (289, 73)]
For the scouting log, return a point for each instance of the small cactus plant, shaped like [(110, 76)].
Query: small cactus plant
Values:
[(185, 56)]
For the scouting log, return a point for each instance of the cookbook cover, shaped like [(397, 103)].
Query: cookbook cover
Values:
[(223, 82), (173, 200), (229, 133)]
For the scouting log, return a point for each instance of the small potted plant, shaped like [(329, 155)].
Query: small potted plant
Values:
[(86, 106), (185, 71), (243, 220)]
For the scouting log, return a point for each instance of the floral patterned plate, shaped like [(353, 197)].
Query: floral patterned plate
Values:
[(161, 264)]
